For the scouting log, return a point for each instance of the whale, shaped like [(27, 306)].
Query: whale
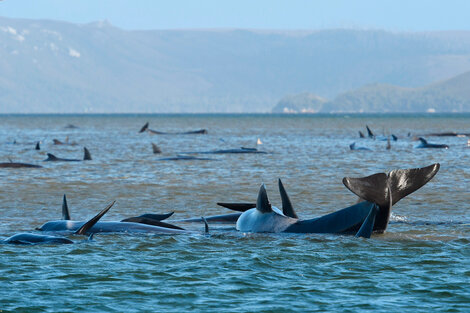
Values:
[(156, 132), (353, 147), (424, 144), (241, 150), (148, 218), (181, 157), (53, 158), (33, 239), (378, 193), (147, 223), (18, 165)]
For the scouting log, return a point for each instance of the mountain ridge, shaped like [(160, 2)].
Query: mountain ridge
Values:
[(59, 67)]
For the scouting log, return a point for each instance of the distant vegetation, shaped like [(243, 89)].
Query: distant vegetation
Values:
[(49, 66), (452, 95)]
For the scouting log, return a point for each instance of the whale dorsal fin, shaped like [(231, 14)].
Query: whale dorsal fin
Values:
[(51, 157), (239, 207), (86, 154), (369, 132), (144, 128), (361, 135), (65, 209), (38, 147), (88, 225), (352, 146), (423, 141), (287, 207), (262, 203), (156, 149)]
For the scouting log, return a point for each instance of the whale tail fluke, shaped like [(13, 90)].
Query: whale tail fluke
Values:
[(86, 154), (88, 225), (379, 188), (65, 209), (144, 128), (287, 207)]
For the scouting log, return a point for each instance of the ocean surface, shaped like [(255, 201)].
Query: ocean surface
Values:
[(421, 264)]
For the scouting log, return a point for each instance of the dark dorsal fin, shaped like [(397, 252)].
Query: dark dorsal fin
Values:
[(57, 142), (352, 146), (262, 203), (86, 154), (361, 135), (287, 207), (395, 138), (65, 209), (88, 225), (51, 157), (369, 132), (423, 141), (158, 217), (156, 149), (239, 207), (144, 128), (38, 147)]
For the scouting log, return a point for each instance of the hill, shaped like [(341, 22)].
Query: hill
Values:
[(51, 66), (451, 95)]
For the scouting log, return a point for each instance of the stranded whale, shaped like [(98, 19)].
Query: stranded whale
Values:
[(147, 223), (30, 239), (156, 132), (380, 191), (425, 144), (53, 158)]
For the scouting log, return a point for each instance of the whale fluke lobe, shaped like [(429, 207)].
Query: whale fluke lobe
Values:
[(287, 207), (262, 203), (86, 154), (144, 128), (404, 182), (88, 225), (65, 209)]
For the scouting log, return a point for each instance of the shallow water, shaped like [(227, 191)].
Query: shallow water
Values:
[(419, 264)]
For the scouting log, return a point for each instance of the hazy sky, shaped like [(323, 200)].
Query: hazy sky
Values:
[(395, 15)]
